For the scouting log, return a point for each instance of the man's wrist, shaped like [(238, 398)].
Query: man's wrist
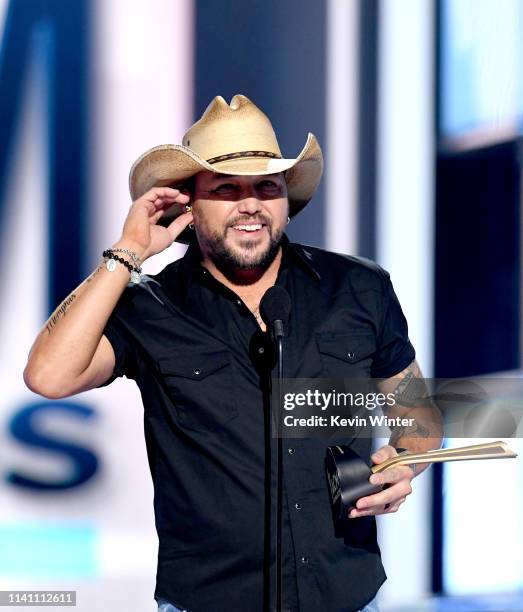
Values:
[(128, 245)]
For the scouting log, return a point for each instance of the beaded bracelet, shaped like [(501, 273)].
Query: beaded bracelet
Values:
[(131, 254), (135, 272)]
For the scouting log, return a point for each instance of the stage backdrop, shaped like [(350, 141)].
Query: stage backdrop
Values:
[(86, 88)]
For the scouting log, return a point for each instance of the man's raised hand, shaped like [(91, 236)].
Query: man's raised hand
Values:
[(141, 231)]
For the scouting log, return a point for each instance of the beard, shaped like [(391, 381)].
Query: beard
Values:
[(245, 257)]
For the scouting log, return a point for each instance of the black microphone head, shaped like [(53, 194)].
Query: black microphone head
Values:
[(275, 305)]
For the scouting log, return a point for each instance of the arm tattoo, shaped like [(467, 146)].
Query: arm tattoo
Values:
[(60, 311), (91, 276), (412, 400), (409, 388)]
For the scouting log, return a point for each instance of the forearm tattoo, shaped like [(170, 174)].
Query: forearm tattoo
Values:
[(61, 310), (91, 276)]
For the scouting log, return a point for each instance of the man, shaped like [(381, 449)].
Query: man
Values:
[(193, 340)]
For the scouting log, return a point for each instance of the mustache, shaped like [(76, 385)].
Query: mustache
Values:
[(253, 220)]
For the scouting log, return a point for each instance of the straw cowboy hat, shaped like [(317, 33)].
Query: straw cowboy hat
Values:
[(236, 140)]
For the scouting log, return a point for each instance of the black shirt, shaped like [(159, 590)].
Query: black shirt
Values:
[(193, 348)]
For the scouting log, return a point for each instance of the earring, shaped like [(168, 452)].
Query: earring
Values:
[(288, 220), (188, 208)]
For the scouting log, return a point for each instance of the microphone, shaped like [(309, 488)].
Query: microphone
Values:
[(275, 308)]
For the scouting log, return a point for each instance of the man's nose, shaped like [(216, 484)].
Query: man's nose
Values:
[(249, 204)]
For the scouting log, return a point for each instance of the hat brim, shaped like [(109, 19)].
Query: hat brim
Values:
[(169, 164)]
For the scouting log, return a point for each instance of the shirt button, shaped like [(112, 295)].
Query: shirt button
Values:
[(261, 350), (197, 371), (239, 302), (350, 354), (297, 506), (290, 451), (304, 559)]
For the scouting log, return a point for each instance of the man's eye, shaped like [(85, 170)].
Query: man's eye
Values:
[(224, 188), (267, 185)]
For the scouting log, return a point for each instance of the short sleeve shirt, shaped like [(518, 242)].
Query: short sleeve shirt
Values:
[(198, 357)]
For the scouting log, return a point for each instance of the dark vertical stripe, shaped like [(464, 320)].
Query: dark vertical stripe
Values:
[(437, 533), (367, 127), (62, 29), (273, 52), (68, 149)]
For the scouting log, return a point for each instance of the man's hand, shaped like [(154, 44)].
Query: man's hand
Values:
[(141, 230), (397, 486)]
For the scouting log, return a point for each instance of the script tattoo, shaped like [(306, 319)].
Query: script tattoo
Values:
[(60, 311), (91, 276)]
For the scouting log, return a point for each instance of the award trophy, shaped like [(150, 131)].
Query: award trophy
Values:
[(348, 474)]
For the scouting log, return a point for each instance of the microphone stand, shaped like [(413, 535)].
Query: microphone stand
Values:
[(278, 335), (275, 308)]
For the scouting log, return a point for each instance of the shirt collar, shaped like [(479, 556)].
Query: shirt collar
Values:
[(301, 255)]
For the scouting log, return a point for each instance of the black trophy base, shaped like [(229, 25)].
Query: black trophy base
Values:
[(348, 477)]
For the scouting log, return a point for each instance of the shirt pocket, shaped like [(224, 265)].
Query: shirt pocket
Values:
[(346, 355), (202, 388)]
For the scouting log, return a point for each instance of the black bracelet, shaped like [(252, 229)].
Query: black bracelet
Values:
[(110, 255)]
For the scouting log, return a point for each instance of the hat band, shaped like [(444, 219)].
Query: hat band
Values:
[(220, 158)]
